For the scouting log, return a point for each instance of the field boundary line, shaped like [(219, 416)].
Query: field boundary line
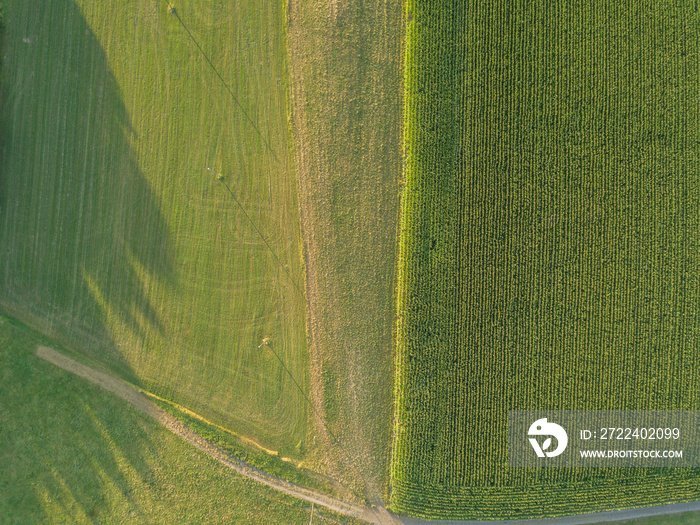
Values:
[(194, 415), (138, 400)]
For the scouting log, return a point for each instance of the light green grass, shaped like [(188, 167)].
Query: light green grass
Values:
[(549, 234), (263, 460), (115, 237), (74, 453)]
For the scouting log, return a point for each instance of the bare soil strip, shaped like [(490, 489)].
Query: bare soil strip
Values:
[(134, 397)]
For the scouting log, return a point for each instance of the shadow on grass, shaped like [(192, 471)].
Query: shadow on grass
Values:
[(81, 239), (73, 452), (82, 235), (83, 244), (69, 449)]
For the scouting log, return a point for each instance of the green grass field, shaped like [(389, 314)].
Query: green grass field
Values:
[(74, 453), (548, 249), (153, 220), (116, 239)]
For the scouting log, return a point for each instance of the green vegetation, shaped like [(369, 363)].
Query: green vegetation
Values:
[(346, 75), (117, 239), (548, 247), (248, 452), (74, 453)]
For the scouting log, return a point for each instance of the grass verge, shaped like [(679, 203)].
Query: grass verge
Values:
[(346, 106), (266, 460)]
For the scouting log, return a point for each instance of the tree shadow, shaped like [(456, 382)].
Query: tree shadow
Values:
[(74, 452), (86, 255), (81, 232), (69, 448), (81, 240)]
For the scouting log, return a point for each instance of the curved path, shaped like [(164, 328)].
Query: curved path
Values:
[(139, 401), (377, 515)]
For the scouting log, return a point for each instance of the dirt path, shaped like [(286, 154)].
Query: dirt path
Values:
[(377, 515), (143, 404)]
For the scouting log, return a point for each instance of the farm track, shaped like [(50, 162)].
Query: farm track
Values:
[(139, 401), (379, 516)]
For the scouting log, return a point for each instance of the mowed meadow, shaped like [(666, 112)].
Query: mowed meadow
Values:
[(73, 452), (118, 241), (549, 237)]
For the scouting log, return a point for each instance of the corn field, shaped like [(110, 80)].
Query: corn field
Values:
[(549, 244)]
